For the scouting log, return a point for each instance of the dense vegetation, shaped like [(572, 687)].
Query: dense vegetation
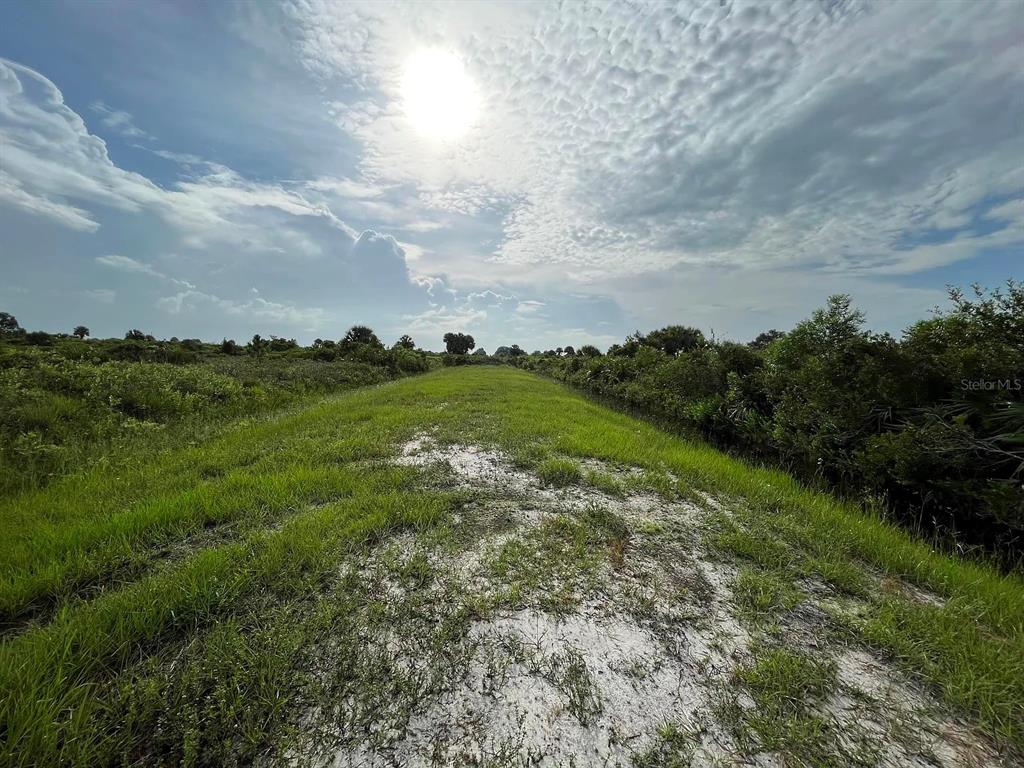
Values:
[(69, 400), (929, 426)]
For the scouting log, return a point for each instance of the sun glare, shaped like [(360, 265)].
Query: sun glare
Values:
[(438, 97)]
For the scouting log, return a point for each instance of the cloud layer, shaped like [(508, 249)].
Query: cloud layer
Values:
[(864, 138), (726, 164)]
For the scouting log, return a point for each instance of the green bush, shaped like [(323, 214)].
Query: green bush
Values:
[(63, 404), (932, 424)]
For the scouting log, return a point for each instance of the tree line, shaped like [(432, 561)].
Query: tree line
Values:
[(928, 428)]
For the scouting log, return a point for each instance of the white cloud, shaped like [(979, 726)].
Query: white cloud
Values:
[(128, 264), (441, 320), (118, 120), (627, 138), (14, 194), (53, 166), (307, 318), (529, 307), (101, 295)]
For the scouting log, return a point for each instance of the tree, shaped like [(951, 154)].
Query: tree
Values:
[(361, 334), (9, 324), (673, 339), (764, 339), (458, 343), (589, 350), (135, 335), (481, 352), (513, 351), (229, 347), (278, 344), (257, 347), (80, 331), (406, 342), (569, 352), (39, 338)]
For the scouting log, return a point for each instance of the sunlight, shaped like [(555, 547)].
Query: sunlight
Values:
[(438, 97)]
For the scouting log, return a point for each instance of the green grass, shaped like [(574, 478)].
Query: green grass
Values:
[(559, 472), (787, 686), (762, 595), (163, 611)]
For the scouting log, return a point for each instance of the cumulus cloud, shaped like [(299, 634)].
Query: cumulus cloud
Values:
[(256, 308), (14, 194), (50, 157), (53, 166)]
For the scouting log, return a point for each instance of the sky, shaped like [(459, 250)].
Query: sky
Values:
[(532, 173)]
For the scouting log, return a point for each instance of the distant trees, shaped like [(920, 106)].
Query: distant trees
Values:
[(229, 347), (764, 339), (361, 334), (929, 424), (481, 352), (257, 347), (673, 339), (568, 351), (278, 344), (80, 332), (406, 342), (9, 324), (513, 351), (458, 343), (39, 338), (136, 335)]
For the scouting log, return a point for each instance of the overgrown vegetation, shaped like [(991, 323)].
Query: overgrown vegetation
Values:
[(929, 427), (66, 401)]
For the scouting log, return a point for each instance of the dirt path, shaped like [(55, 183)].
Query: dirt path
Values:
[(593, 621)]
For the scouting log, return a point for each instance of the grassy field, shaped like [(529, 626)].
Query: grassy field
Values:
[(316, 585)]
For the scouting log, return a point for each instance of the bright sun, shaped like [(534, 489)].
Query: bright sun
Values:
[(439, 98)]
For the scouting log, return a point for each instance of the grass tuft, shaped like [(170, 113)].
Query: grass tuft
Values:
[(559, 472)]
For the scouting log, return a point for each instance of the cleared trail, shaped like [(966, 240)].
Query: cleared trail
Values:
[(478, 567)]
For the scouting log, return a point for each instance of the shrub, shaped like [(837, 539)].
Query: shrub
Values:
[(930, 424)]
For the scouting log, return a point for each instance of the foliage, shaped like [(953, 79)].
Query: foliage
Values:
[(360, 334), (513, 351), (930, 425), (9, 324), (458, 343), (65, 401), (257, 347)]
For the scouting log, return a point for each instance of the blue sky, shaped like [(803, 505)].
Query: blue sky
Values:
[(568, 173)]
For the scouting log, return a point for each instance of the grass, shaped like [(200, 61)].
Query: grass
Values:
[(165, 611), (559, 472), (762, 595), (786, 687)]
